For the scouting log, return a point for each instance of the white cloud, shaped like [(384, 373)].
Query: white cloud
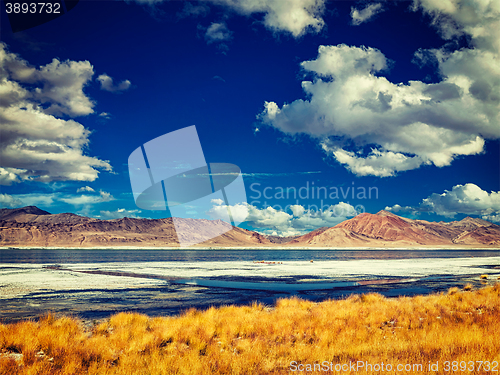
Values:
[(119, 213), (363, 15), (477, 18), (217, 32), (377, 163), (84, 189), (63, 84), (468, 199), (296, 17), (9, 201), (270, 220), (87, 199), (34, 199), (412, 124), (400, 209), (43, 199), (11, 175), (34, 144), (297, 210), (107, 84), (59, 84), (350, 105), (492, 218)]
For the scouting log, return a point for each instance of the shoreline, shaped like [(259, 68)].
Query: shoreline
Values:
[(406, 248)]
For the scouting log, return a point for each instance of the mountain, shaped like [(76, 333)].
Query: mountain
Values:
[(332, 237), (483, 235), (30, 226), (387, 229), (13, 214), (279, 239)]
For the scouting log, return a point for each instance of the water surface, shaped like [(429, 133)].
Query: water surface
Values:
[(96, 283)]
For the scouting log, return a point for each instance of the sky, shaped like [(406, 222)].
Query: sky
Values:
[(329, 108)]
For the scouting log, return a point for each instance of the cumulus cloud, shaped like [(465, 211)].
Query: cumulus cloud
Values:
[(365, 14), (107, 84), (9, 201), (296, 220), (85, 189), (34, 143), (377, 163), (59, 84), (477, 18), (119, 213), (350, 105), (468, 199), (63, 84)]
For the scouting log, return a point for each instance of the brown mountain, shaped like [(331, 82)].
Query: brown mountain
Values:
[(386, 229), (30, 226), (15, 213), (483, 235), (333, 237)]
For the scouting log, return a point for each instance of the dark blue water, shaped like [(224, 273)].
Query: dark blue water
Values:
[(68, 256), (170, 298)]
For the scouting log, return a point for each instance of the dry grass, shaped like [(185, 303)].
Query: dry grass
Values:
[(456, 326), (468, 287)]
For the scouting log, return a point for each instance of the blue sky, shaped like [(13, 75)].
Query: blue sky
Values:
[(400, 97)]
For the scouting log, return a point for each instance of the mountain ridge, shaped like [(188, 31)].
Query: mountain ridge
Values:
[(31, 226), (387, 229)]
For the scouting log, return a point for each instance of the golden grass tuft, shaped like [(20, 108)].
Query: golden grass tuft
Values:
[(483, 277), (468, 287), (453, 326)]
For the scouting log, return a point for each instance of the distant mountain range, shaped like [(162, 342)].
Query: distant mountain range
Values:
[(33, 227)]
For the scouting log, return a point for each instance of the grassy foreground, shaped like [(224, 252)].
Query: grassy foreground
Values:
[(461, 326)]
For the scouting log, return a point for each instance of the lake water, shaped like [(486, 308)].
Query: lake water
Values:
[(95, 283), (64, 256)]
